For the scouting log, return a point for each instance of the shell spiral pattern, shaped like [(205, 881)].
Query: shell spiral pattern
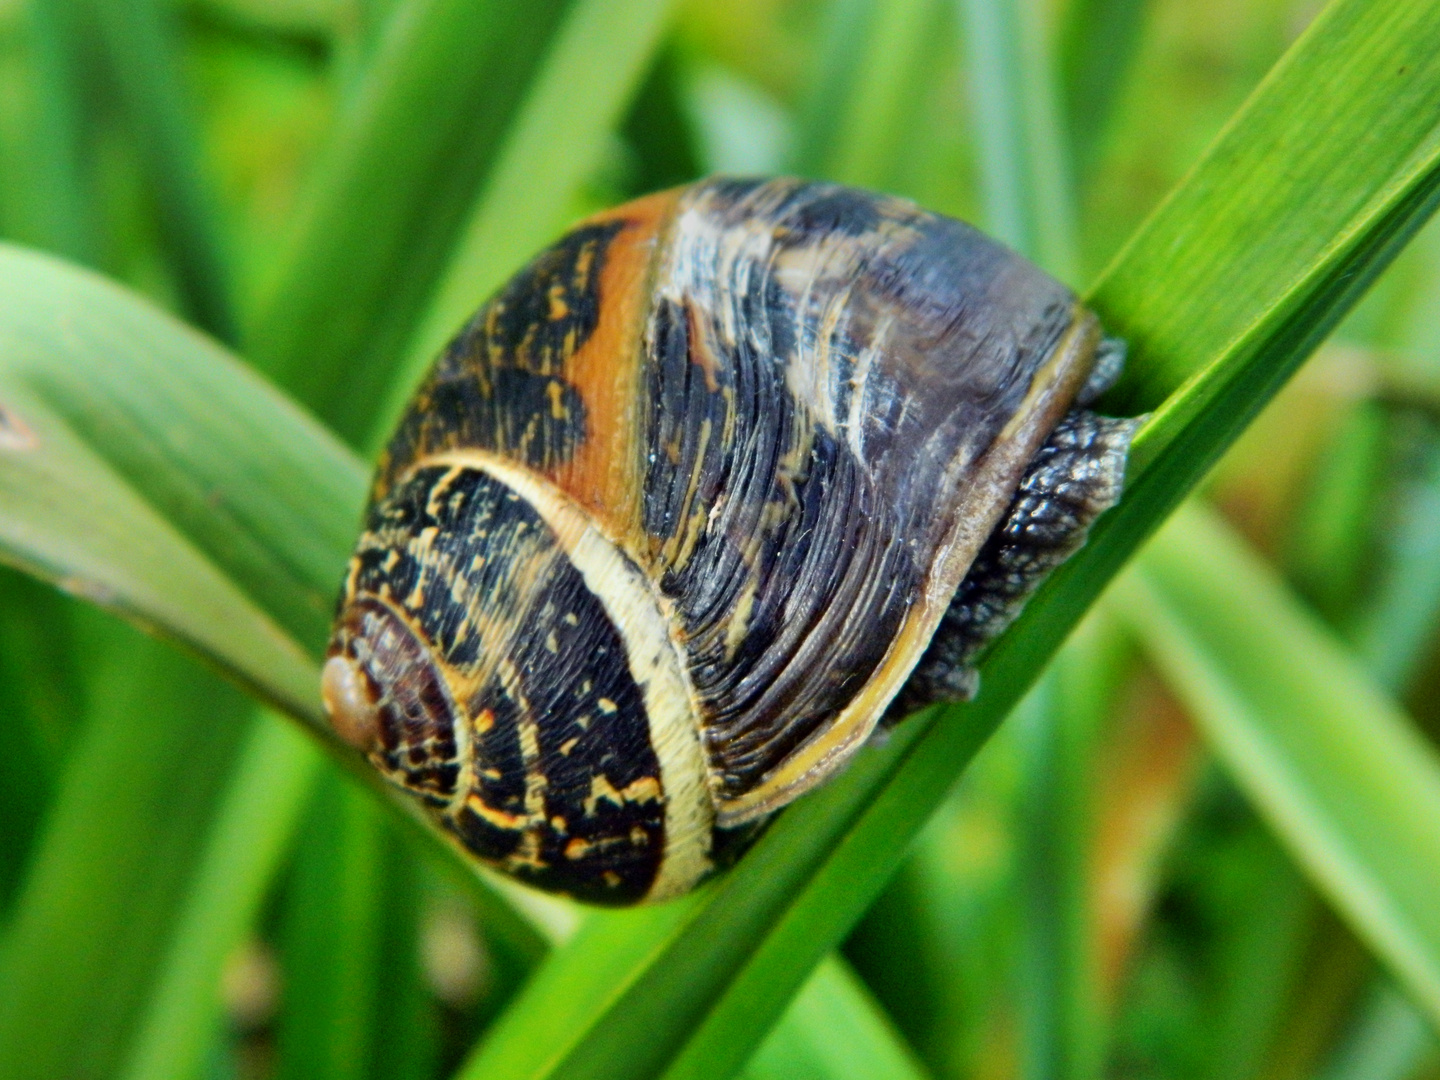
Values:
[(674, 517)]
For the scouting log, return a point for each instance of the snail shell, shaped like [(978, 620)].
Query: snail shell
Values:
[(676, 515)]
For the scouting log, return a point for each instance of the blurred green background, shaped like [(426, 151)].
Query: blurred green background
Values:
[(1098, 897)]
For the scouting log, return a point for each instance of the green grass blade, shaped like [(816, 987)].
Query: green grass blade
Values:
[(410, 1047), (417, 140), (735, 953), (603, 46), (869, 136), (1062, 1005), (1399, 621), (833, 1030), (658, 131), (40, 701), (1025, 183), (145, 468), (56, 203), (839, 58), (859, 109), (140, 43), (331, 939), (1330, 550), (132, 808), (1024, 168), (1390, 1040), (654, 976), (251, 831), (1097, 44), (1349, 110), (301, 19), (1332, 762)]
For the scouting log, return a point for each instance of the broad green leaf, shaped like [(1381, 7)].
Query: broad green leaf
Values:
[(141, 45), (142, 467), (734, 953), (603, 47), (419, 136), (132, 807), (1333, 763), (833, 1030)]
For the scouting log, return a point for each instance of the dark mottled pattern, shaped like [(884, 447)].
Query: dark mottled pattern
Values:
[(570, 785), (793, 532), (880, 350), (501, 383), (1076, 476), (417, 715)]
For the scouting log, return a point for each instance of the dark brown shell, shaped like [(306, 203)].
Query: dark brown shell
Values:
[(796, 410)]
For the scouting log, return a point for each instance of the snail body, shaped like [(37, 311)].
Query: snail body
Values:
[(714, 481)]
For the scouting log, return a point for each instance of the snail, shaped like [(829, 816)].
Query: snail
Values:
[(718, 480)]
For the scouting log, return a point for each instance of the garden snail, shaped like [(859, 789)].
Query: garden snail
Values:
[(689, 504)]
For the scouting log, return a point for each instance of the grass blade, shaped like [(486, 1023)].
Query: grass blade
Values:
[(146, 469), (331, 939), (840, 56), (40, 700), (1337, 768), (868, 138), (1097, 44), (834, 1030), (1024, 169), (251, 831), (1402, 612), (419, 137), (132, 807), (1349, 110), (142, 468), (857, 116), (695, 984), (1390, 1040), (1062, 1005), (140, 44), (57, 208)]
